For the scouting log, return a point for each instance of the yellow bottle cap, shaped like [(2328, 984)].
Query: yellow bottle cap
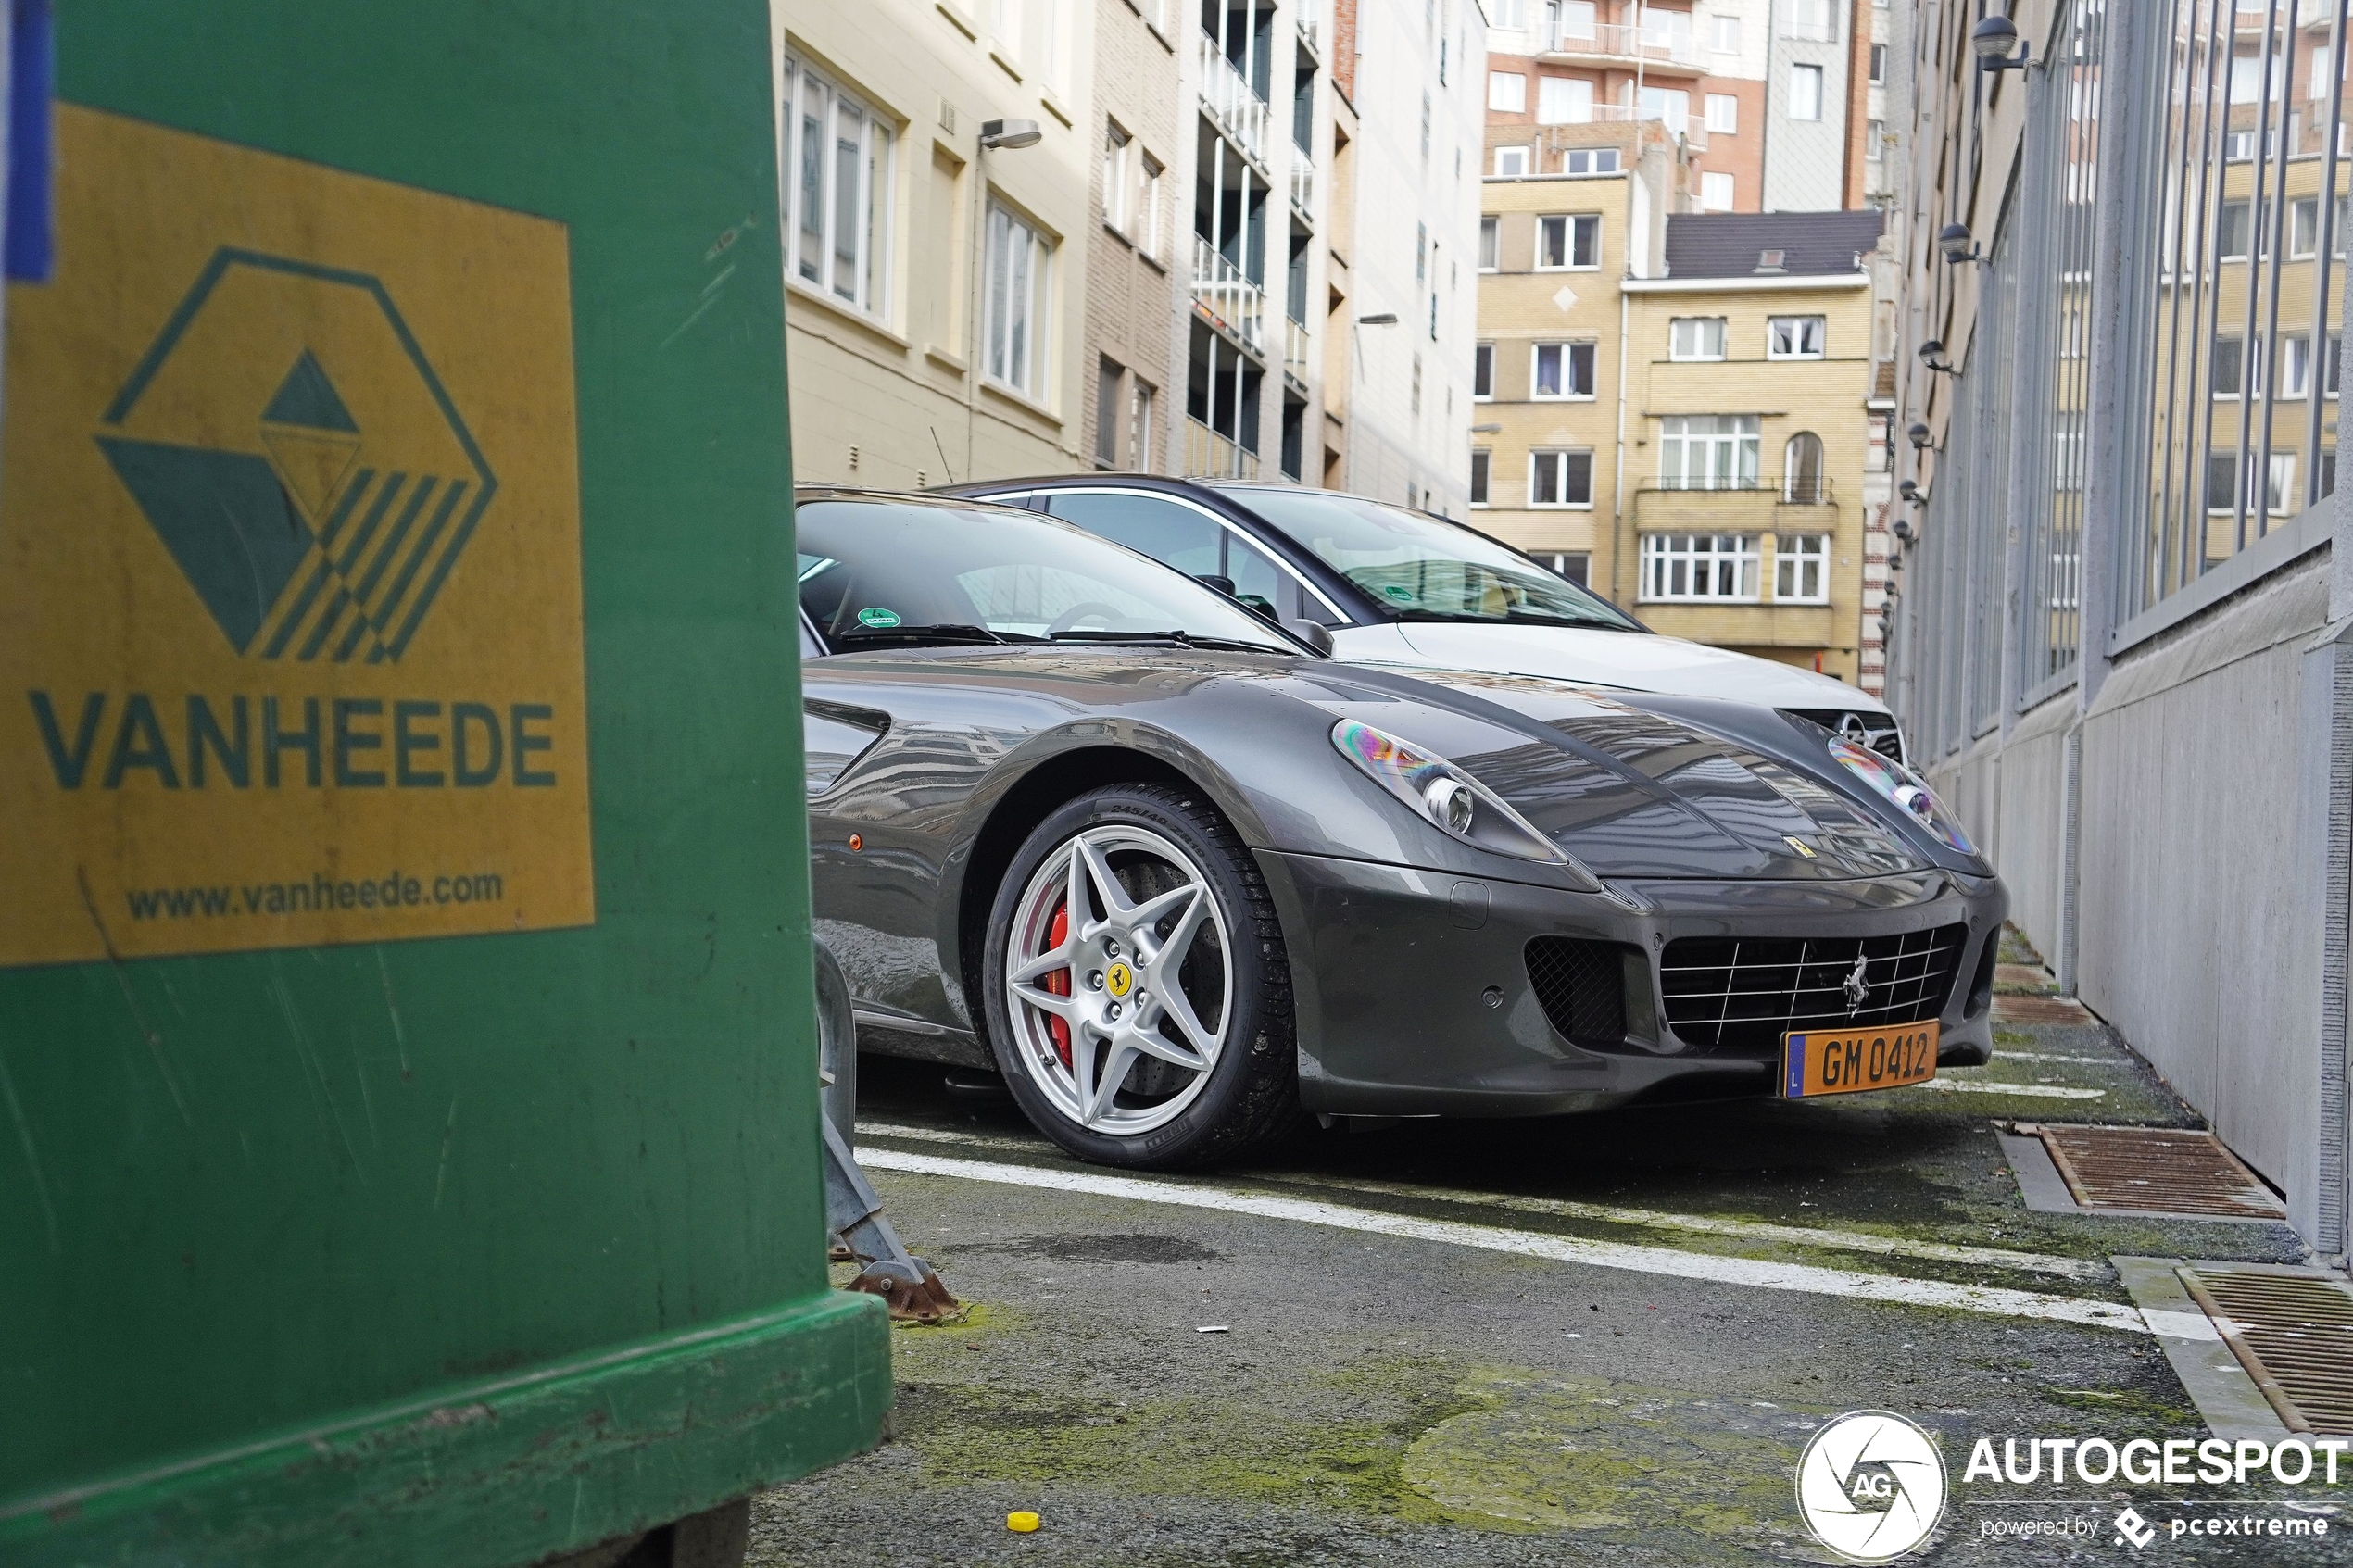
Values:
[(1021, 1522)]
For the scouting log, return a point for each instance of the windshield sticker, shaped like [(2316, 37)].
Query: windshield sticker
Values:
[(879, 618)]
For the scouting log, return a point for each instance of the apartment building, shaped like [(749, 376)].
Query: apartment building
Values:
[(936, 285), (1411, 310), (1675, 407), (1766, 100), (1136, 299)]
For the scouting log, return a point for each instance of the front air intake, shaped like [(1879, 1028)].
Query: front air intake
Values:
[(1582, 986), (1739, 995)]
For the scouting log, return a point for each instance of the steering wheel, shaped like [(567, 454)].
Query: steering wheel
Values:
[(1079, 612)]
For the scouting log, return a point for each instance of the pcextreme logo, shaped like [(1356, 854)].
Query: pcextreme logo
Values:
[(291, 639)]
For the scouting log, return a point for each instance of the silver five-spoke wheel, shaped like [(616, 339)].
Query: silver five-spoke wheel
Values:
[(1119, 980)]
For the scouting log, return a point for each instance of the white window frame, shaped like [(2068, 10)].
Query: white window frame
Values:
[(1572, 224), (1670, 106), (1578, 19), (1724, 33), (1511, 163), (1483, 370), (1119, 154), (1490, 243), (807, 89), (1507, 92), (1714, 569), (1590, 157), (1564, 100), (1557, 458), (1566, 349), (1016, 334), (1814, 85), (1677, 338), (1719, 192), (1483, 476), (1723, 114), (1729, 458), (1802, 569), (1798, 329), (1142, 403)]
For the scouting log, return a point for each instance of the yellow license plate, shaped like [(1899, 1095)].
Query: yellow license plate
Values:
[(1843, 1061)]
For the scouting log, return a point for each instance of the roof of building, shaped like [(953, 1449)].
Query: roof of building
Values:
[(1748, 245)]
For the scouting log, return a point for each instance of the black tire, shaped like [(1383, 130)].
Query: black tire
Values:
[(1252, 1093)]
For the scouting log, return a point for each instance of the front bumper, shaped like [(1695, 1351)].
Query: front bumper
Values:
[(1414, 998)]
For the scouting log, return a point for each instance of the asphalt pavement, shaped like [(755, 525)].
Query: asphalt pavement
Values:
[(1599, 1340)]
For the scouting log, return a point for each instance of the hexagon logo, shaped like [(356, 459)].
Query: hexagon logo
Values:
[(287, 440)]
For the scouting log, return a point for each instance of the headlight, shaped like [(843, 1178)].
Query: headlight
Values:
[(1905, 788), (1445, 797)]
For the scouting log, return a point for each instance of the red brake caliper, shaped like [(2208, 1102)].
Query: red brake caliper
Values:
[(1059, 981)]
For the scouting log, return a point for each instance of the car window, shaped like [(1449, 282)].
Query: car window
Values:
[(876, 570), (1421, 568), (1169, 532), (1258, 582)]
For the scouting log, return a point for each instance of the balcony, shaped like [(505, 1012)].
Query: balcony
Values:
[(1799, 502), (1295, 351), (1232, 102), (1211, 456), (1311, 39), (1624, 44), (1224, 293), (1302, 186)]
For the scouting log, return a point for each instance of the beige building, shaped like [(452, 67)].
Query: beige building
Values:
[(934, 287), (1675, 407)]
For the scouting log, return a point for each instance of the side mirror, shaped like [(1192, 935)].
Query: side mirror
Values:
[(1223, 584), (1313, 632)]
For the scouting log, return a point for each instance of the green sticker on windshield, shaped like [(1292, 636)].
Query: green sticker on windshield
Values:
[(879, 618), (1399, 592)]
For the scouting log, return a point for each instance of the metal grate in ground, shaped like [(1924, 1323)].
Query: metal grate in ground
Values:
[(2292, 1331), (2039, 1009), (2156, 1170)]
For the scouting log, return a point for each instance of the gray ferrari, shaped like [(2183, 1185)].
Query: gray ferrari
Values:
[(1087, 822)]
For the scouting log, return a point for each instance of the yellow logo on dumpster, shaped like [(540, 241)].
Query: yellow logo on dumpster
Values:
[(290, 612)]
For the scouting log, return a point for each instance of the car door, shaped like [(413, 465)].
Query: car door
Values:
[(1198, 543)]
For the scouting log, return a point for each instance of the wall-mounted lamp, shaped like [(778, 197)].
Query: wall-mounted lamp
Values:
[(1380, 318), (1903, 529), (1957, 245), (1909, 490), (1009, 134), (1932, 356), (1919, 436), (1998, 46), (1485, 429)]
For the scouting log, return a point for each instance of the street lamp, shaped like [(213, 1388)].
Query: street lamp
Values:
[(1009, 134), (1957, 245), (1911, 492), (1919, 436), (1995, 39), (1932, 356)]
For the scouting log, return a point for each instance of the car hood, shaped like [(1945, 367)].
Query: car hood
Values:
[(1627, 792), (1637, 660)]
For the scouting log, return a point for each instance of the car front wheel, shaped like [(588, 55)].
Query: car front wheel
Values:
[(1138, 988)]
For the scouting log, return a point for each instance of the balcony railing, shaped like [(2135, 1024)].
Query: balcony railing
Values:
[(1622, 40), (1787, 490), (1294, 350), (1211, 456), (1226, 294), (1303, 184), (1231, 101)]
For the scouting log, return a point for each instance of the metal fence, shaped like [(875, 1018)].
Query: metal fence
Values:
[(2229, 159)]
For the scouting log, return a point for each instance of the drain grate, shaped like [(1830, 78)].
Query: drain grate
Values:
[(2039, 1009), (2157, 1170), (2293, 1332)]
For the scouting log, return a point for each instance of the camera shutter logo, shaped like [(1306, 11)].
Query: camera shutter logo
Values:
[(1871, 1486)]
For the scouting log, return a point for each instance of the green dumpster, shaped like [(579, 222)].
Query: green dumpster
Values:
[(409, 1143)]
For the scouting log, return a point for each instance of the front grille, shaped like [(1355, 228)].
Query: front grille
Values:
[(1876, 731), (1741, 994), (1582, 986)]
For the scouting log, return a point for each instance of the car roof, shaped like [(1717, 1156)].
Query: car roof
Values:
[(802, 493)]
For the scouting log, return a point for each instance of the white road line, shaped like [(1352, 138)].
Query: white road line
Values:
[(1761, 1229), (1992, 1086), (1663, 1261), (2048, 1056)]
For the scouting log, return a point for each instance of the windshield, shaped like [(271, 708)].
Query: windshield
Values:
[(878, 571), (1420, 568)]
